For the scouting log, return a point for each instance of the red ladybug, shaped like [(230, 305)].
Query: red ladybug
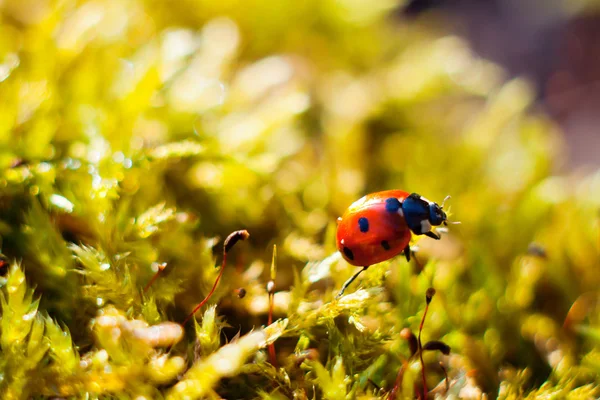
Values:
[(379, 226)]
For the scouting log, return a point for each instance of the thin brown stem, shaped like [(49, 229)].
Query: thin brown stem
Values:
[(161, 268), (445, 376), (203, 302), (230, 241), (271, 292), (428, 297), (271, 347), (394, 392), (421, 355)]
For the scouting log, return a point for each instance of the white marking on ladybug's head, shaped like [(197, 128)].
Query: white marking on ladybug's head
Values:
[(425, 226), (400, 211), (426, 200)]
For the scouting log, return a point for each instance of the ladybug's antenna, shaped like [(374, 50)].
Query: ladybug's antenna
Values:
[(446, 223), (444, 201), (452, 222)]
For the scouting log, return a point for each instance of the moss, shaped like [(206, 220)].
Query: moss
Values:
[(135, 136)]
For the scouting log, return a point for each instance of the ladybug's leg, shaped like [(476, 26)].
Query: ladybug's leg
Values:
[(349, 281), (407, 252), (433, 235)]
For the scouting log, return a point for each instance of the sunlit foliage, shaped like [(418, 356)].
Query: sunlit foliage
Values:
[(135, 135)]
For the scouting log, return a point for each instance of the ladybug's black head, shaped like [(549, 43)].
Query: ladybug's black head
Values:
[(437, 216)]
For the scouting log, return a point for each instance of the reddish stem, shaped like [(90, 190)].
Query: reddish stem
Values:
[(230, 241), (272, 353), (445, 376), (203, 302), (428, 297), (421, 354), (152, 280), (399, 377)]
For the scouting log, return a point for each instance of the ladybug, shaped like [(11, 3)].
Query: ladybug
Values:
[(379, 226)]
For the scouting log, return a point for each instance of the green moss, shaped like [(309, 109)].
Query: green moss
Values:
[(135, 136)]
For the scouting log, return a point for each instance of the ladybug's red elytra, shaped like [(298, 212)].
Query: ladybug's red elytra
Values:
[(379, 226)]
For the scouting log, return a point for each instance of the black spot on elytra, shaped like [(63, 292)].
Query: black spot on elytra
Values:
[(385, 245), (392, 204), (363, 224), (348, 253)]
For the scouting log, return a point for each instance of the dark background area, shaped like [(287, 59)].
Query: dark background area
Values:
[(557, 48)]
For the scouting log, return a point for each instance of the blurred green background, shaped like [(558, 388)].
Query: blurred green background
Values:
[(137, 133)]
